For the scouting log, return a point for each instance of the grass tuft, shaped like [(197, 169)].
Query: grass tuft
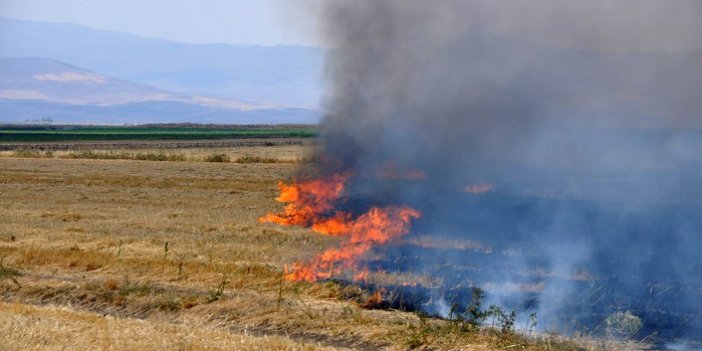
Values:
[(102, 155), (9, 273), (218, 158), (25, 153), (216, 294)]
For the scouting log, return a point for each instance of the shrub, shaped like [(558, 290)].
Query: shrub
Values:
[(94, 155), (217, 158), (256, 159), (125, 156), (473, 316), (24, 153), (158, 157), (216, 294)]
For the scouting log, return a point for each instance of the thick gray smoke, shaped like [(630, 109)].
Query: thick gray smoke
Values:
[(586, 117)]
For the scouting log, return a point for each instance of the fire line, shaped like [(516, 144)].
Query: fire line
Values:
[(310, 203)]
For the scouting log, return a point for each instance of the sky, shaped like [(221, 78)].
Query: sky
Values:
[(254, 22), (624, 23)]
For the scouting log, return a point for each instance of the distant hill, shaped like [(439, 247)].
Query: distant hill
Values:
[(282, 75), (54, 81), (42, 88)]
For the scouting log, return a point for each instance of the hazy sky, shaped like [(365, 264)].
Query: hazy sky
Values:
[(261, 22)]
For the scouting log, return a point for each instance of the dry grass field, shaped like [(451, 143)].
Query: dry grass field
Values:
[(115, 254)]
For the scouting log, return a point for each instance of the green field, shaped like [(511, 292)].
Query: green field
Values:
[(13, 133)]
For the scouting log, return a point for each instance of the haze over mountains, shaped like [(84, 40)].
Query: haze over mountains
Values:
[(54, 81), (75, 74)]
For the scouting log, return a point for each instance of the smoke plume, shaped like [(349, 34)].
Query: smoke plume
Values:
[(561, 137)]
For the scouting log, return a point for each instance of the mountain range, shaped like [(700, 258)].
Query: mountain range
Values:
[(75, 74)]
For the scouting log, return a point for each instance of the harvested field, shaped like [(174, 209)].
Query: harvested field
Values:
[(238, 151), (127, 254)]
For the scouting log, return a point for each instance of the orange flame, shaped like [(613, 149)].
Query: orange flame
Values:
[(377, 227), (375, 300), (337, 225), (361, 276), (307, 201), (311, 204)]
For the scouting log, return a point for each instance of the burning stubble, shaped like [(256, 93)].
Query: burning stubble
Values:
[(311, 203), (559, 135)]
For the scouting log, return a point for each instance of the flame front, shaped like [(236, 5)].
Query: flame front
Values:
[(311, 204), (376, 227), (308, 201)]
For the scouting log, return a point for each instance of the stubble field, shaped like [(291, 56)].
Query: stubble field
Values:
[(123, 254)]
